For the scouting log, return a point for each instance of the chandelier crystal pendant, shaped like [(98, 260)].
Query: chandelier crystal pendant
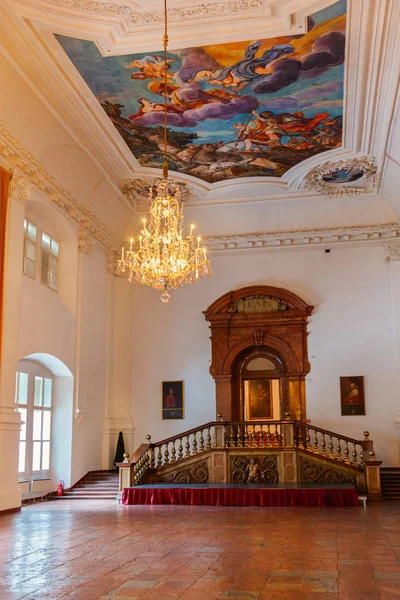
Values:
[(165, 259)]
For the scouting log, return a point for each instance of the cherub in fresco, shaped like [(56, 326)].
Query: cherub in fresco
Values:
[(146, 107), (246, 70), (150, 67)]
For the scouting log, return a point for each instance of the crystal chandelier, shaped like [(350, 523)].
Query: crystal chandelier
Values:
[(165, 259)]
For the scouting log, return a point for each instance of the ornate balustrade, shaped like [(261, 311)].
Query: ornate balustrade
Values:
[(294, 448)]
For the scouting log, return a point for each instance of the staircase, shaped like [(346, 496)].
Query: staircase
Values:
[(96, 485), (390, 483)]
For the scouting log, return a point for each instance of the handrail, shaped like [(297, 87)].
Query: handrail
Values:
[(257, 423)]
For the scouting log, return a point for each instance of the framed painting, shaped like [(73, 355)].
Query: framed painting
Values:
[(352, 397), (258, 399), (172, 400)]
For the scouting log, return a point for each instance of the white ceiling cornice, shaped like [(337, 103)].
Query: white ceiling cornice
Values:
[(16, 159)]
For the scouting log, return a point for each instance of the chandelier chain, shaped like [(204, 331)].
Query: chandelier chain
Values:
[(165, 259)]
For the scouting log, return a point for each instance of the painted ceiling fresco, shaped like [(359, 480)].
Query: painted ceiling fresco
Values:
[(243, 109)]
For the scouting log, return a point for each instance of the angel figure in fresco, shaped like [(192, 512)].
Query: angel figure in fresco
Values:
[(146, 107), (246, 70), (150, 67), (264, 130)]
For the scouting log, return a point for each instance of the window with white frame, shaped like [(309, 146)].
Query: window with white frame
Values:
[(34, 402), (49, 261), (30, 232)]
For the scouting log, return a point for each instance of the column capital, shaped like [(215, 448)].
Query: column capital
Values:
[(20, 189), (393, 252), (10, 419), (112, 263), (85, 242)]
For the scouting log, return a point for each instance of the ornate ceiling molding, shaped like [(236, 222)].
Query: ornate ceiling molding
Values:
[(203, 10), (135, 192), (18, 160), (305, 238), (363, 167), (20, 188)]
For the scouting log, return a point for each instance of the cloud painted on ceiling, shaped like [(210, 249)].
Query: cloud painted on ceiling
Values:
[(245, 109)]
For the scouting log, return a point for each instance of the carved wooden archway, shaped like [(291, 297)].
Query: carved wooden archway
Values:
[(264, 316)]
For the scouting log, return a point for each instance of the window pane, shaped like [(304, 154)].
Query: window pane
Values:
[(47, 392), (23, 388), (53, 281), (22, 435), (29, 267), (31, 231), (46, 425), (37, 425), (46, 241), (54, 247), (45, 260), (21, 457), (36, 456), (45, 276), (25, 226), (30, 250), (46, 456), (16, 387), (38, 391), (53, 264)]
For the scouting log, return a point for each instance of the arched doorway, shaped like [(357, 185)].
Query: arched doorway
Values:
[(256, 385), (259, 323)]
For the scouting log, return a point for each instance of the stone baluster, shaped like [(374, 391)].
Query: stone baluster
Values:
[(308, 440), (315, 442), (323, 445), (166, 455), (277, 436), (232, 437), (194, 444), (201, 446), (253, 436), (180, 449), (269, 443), (173, 452), (240, 437), (261, 443), (346, 453), (187, 447), (354, 455), (246, 436), (338, 450), (331, 454), (208, 439)]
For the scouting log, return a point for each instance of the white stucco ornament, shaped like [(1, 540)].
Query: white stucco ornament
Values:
[(346, 177), (135, 191)]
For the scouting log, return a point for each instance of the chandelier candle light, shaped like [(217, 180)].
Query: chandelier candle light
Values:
[(165, 259)]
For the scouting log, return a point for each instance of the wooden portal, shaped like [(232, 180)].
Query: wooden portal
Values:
[(259, 322)]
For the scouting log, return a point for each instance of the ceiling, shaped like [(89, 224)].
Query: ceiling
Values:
[(260, 92)]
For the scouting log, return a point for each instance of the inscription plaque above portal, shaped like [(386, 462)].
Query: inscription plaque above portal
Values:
[(258, 303)]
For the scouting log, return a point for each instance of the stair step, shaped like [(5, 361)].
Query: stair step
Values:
[(85, 497)]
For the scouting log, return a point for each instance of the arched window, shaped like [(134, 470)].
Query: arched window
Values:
[(34, 400)]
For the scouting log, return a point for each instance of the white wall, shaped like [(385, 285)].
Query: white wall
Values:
[(351, 333)]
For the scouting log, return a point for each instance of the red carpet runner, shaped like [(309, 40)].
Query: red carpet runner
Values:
[(240, 496)]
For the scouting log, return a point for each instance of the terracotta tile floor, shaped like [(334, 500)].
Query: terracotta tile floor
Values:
[(91, 550)]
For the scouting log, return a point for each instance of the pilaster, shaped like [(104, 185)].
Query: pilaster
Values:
[(10, 421)]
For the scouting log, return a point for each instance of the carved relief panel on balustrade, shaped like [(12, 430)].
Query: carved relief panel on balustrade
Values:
[(318, 470), (254, 468)]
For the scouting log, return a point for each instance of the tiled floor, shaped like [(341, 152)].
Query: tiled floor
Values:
[(89, 550)]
